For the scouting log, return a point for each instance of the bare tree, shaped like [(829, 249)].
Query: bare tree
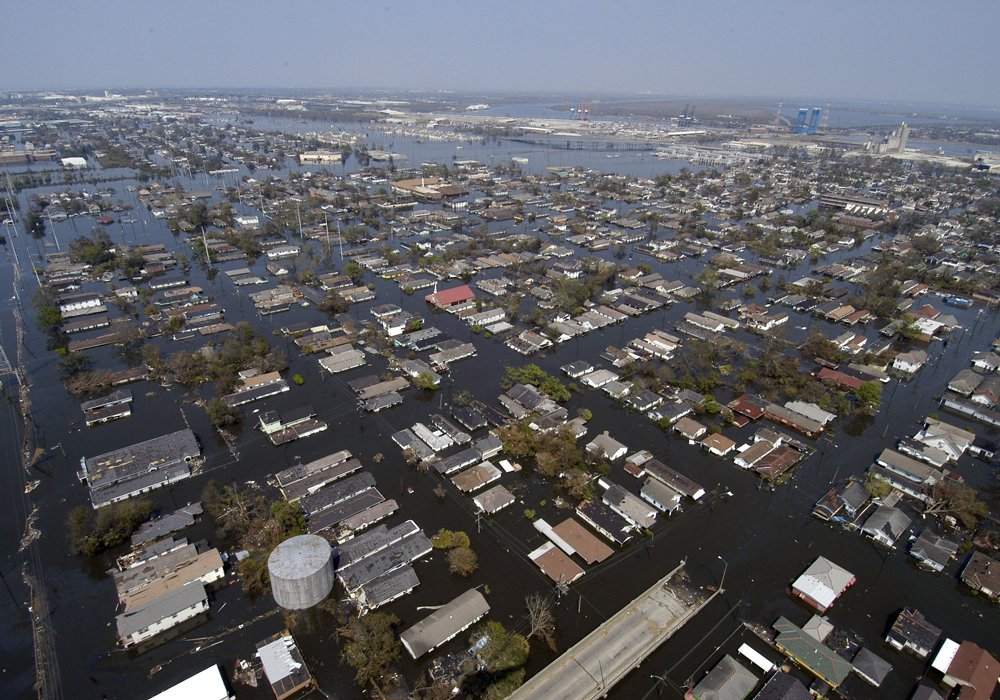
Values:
[(540, 618), (462, 561)]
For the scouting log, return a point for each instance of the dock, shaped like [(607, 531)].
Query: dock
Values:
[(590, 668)]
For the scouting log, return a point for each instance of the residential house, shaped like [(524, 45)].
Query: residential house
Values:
[(988, 391), (913, 632), (948, 438), (644, 401), (671, 412), (886, 525), (969, 666), (664, 497), (822, 583), (871, 667), (690, 429), (628, 505), (843, 500), (982, 574), (906, 474), (604, 445), (986, 361), (781, 686), (728, 680), (932, 550), (819, 659), (778, 461), (718, 444), (749, 457), (965, 382)]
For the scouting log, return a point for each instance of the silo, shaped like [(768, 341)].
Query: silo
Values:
[(301, 570)]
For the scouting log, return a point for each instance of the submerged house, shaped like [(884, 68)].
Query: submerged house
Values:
[(728, 680), (845, 500), (932, 550), (982, 574), (913, 632), (817, 658), (886, 525), (822, 583)]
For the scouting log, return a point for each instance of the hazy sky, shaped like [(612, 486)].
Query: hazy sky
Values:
[(872, 49)]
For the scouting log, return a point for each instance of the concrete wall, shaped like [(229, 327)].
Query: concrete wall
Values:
[(302, 572)]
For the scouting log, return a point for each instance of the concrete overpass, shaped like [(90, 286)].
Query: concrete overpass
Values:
[(590, 668)]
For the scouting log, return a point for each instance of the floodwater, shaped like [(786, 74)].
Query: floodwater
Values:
[(759, 539)]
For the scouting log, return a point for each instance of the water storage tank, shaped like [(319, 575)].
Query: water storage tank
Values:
[(301, 571)]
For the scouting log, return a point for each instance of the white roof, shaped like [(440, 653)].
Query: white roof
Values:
[(814, 589), (756, 658), (207, 685), (277, 659), (945, 655)]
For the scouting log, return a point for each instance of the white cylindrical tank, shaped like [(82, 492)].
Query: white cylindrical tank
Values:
[(301, 570)]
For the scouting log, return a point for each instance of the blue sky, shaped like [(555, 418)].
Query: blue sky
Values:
[(923, 51)]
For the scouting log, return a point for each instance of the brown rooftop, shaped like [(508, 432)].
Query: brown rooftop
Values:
[(586, 545)]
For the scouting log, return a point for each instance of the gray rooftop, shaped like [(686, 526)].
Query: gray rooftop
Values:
[(445, 623), (141, 618), (140, 458)]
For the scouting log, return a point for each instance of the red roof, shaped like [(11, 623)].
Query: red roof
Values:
[(839, 378), (455, 295)]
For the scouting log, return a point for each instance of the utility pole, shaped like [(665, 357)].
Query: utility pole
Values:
[(208, 256)]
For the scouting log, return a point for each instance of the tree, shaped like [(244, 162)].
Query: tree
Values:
[(707, 279), (354, 271), (48, 318), (909, 330), (370, 646), (34, 224), (502, 655), (442, 540), (541, 621), (221, 414), (425, 380), (869, 395), (233, 509), (876, 486), (949, 497), (93, 532), (462, 561), (334, 304), (127, 333), (289, 520), (74, 363)]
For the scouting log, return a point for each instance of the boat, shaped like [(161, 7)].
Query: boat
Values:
[(961, 302)]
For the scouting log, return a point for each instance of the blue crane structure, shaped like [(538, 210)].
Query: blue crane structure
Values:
[(807, 123)]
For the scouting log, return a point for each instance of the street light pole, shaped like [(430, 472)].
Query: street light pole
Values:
[(725, 567)]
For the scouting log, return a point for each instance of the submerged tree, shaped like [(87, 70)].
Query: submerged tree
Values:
[(541, 621), (370, 646)]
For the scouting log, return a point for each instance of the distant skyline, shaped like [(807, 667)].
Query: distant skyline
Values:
[(885, 51)]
